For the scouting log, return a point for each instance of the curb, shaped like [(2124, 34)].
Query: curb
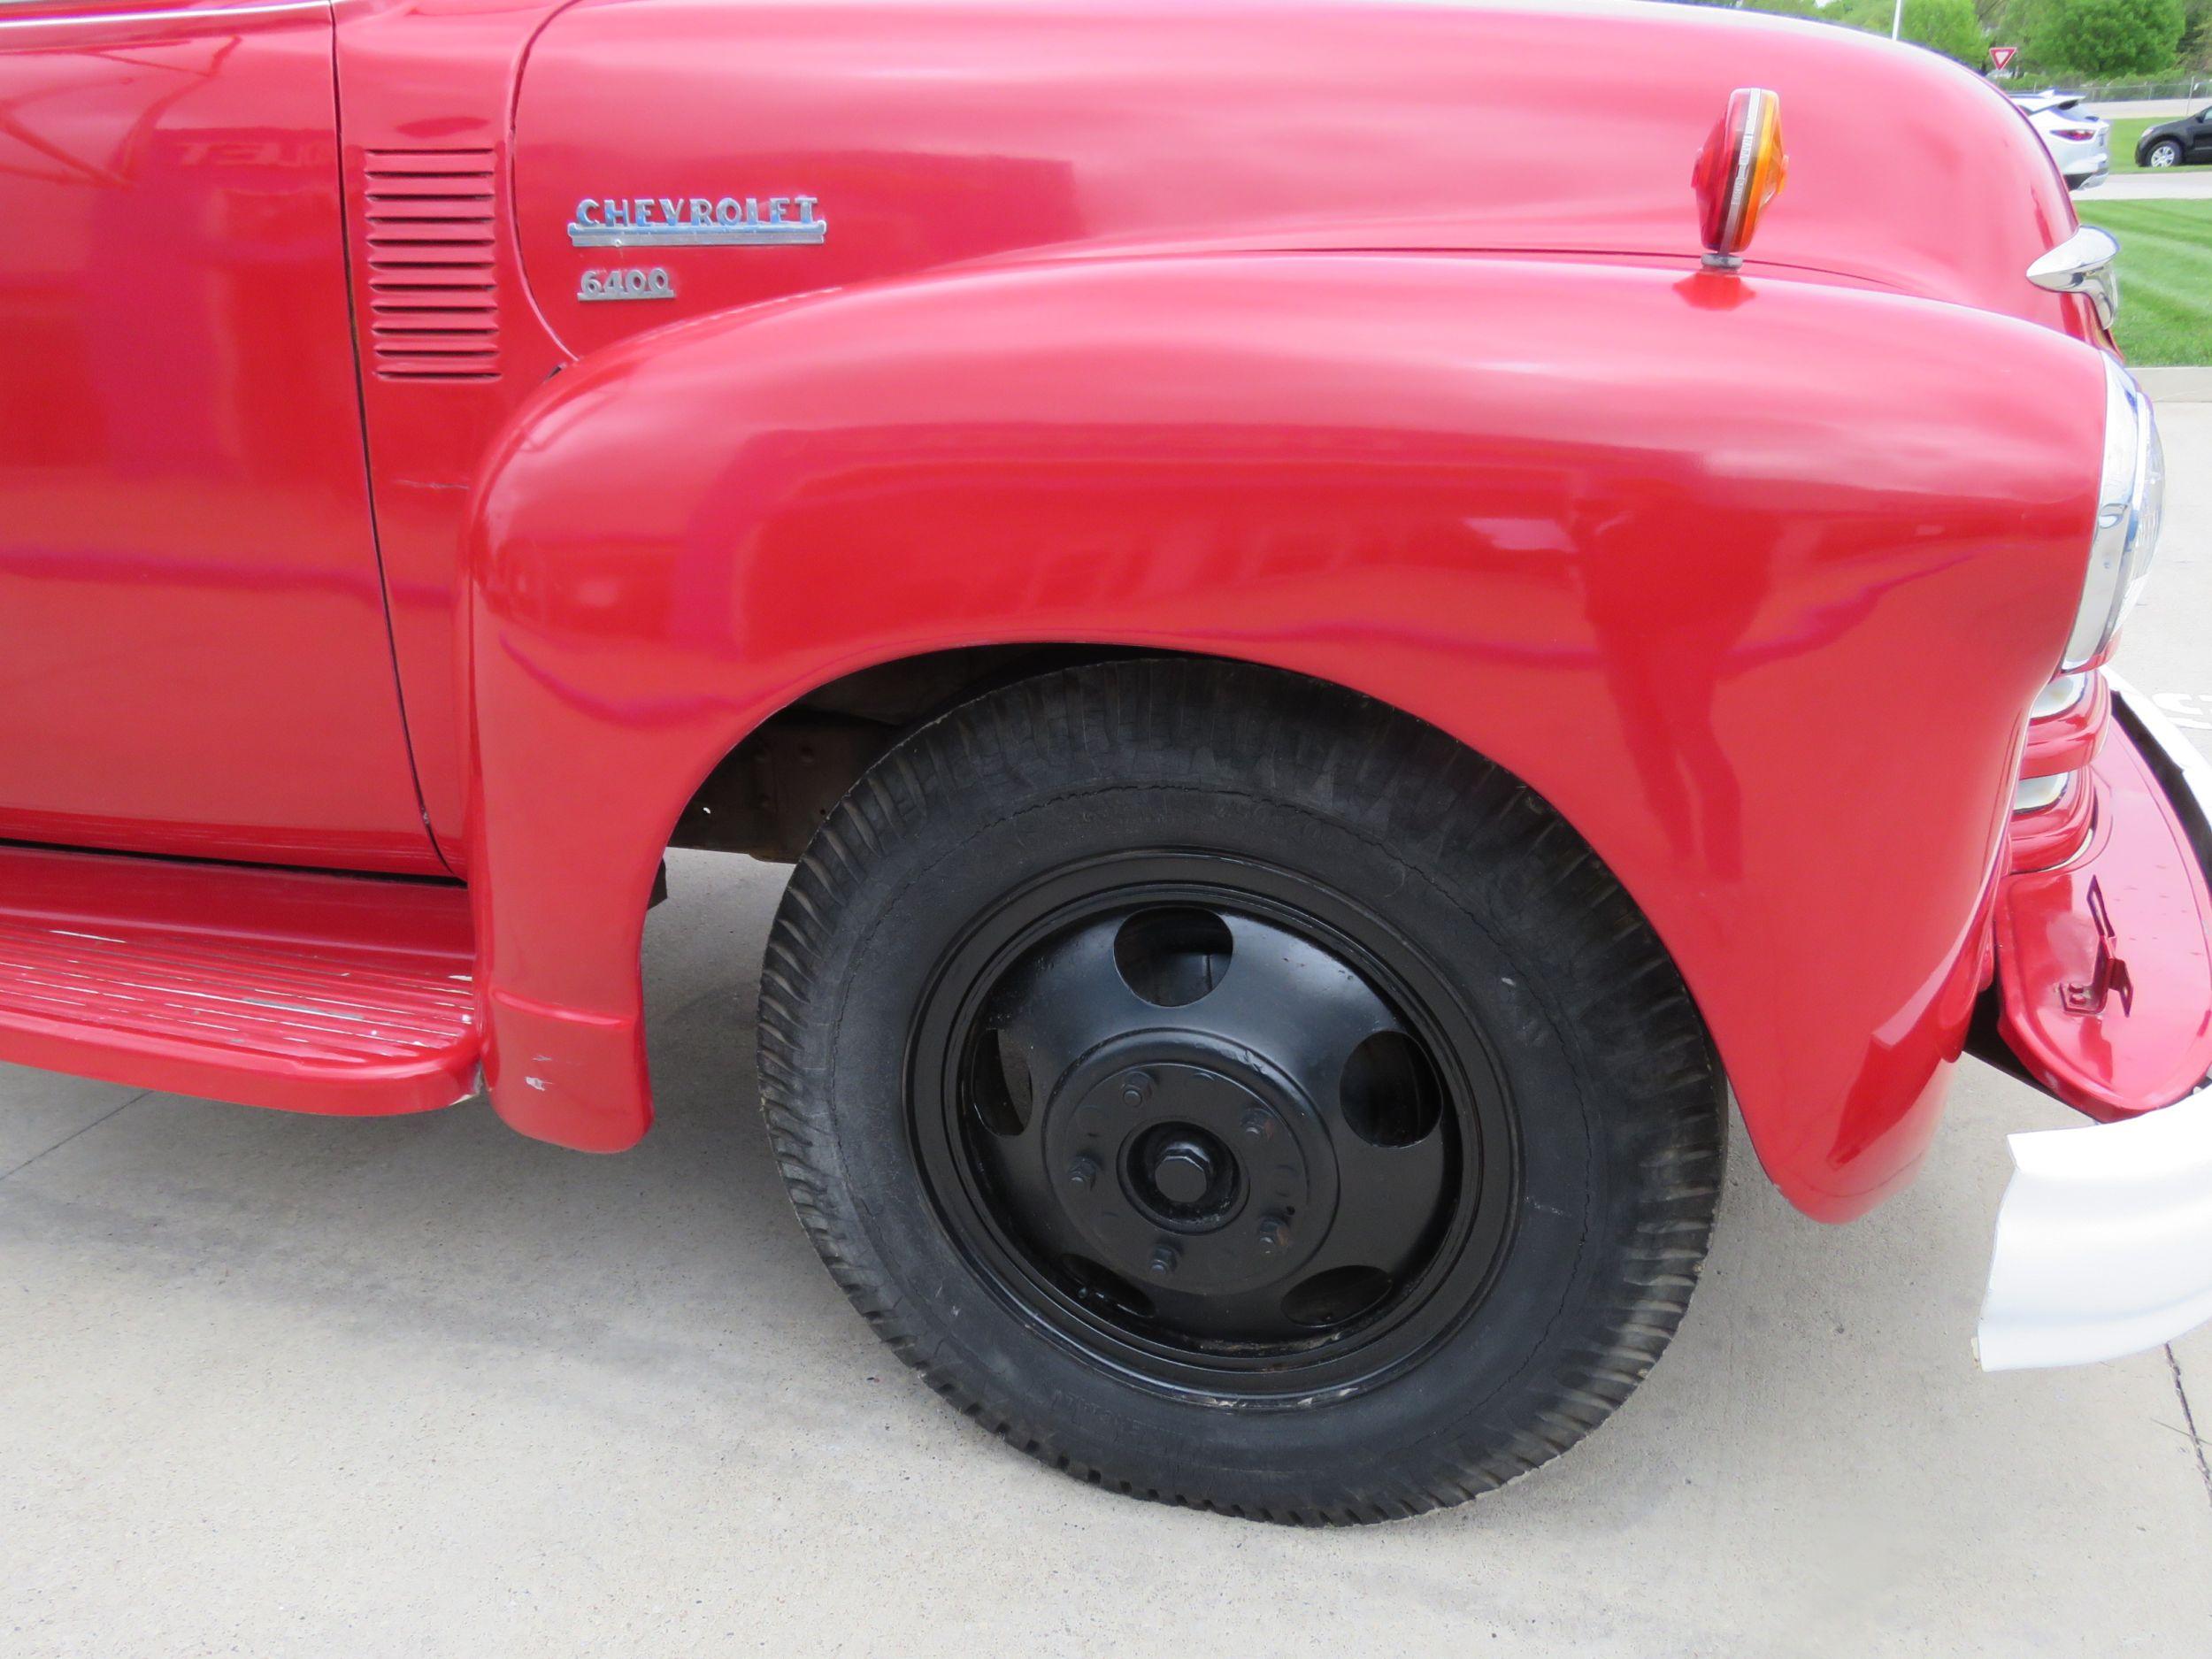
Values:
[(2176, 386)]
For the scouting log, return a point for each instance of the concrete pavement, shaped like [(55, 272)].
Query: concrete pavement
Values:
[(2178, 385), (2147, 109), (2170, 184), (277, 1385)]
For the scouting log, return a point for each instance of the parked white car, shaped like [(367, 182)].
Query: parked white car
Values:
[(2080, 143)]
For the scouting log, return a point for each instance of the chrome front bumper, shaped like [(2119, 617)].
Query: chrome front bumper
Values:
[(2104, 1238)]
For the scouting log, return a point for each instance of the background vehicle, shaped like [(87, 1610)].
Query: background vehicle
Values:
[(2177, 143), (1329, 710), (2080, 143)]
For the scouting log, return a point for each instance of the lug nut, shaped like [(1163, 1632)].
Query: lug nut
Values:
[(1164, 1258), (1083, 1171), (1274, 1234), (1136, 1088)]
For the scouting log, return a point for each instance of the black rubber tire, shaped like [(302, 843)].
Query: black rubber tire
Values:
[(2172, 149), (1621, 1098)]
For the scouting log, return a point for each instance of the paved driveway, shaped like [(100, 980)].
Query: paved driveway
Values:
[(410, 1387)]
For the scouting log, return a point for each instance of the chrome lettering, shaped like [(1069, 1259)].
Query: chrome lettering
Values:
[(727, 222)]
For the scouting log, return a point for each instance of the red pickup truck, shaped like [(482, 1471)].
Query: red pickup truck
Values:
[(1354, 617)]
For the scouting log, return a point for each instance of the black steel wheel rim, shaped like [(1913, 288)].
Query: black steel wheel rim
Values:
[(1213, 1126)]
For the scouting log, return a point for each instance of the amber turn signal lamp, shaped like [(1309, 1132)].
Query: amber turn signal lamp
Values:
[(1738, 173)]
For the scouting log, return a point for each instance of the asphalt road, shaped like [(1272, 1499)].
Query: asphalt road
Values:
[(276, 1384)]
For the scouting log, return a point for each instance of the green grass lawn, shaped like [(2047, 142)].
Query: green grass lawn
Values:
[(2165, 276)]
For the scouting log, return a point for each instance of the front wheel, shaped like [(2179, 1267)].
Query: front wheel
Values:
[(1238, 1095), (2165, 153)]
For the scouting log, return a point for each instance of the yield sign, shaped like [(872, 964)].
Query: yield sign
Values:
[(2002, 56)]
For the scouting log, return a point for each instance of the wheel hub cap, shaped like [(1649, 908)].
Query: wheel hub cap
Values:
[(1210, 1128), (1209, 1153)]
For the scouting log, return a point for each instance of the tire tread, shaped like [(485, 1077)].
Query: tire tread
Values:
[(1326, 748)]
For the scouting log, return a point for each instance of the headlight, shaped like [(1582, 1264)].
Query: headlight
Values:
[(2129, 496)]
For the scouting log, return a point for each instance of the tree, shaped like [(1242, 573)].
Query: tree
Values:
[(1950, 27), (2099, 39), (2196, 33)]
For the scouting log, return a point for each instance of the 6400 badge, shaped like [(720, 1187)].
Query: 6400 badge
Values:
[(628, 282)]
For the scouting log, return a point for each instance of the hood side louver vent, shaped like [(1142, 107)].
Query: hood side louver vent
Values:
[(434, 295)]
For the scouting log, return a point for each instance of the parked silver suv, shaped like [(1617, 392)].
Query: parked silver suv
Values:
[(2079, 142)]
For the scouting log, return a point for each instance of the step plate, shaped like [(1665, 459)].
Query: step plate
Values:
[(352, 995)]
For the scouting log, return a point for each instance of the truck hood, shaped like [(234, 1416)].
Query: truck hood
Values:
[(893, 137)]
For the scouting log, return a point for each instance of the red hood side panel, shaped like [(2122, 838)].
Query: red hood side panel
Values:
[(934, 132)]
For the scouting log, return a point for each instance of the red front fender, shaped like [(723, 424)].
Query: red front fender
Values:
[(1753, 579)]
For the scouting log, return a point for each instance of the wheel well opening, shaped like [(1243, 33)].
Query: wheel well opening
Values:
[(770, 794)]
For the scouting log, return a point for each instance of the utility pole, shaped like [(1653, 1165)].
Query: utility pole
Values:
[(1897, 21)]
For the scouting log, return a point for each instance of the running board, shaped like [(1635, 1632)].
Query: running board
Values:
[(348, 995)]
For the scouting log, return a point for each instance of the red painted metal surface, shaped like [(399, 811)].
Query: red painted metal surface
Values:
[(941, 131), (1721, 628), (428, 88), (313, 993), (2068, 740), (2043, 840), (1319, 336), (2113, 1015), (197, 658), (1636, 611)]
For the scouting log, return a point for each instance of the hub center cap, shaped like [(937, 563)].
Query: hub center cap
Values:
[(1186, 1163)]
